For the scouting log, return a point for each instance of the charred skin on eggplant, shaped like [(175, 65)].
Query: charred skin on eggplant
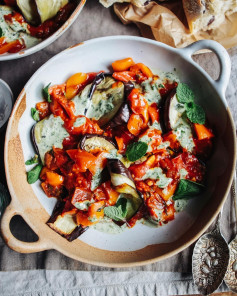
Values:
[(89, 142), (124, 112), (71, 230), (121, 117), (124, 184), (101, 93), (47, 133)]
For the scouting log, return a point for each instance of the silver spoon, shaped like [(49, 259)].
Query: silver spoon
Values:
[(210, 260), (231, 274)]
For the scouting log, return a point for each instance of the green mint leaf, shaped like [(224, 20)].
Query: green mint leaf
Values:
[(33, 175), (184, 93), (115, 213), (4, 199), (195, 113), (35, 114), (187, 189), (33, 160), (46, 93), (1, 32), (136, 150), (123, 203)]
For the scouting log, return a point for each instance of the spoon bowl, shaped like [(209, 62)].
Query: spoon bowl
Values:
[(210, 260)]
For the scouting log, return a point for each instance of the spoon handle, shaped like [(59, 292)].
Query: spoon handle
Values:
[(217, 228), (233, 191)]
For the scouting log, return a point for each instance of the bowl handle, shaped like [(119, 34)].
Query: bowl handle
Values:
[(223, 57), (12, 241)]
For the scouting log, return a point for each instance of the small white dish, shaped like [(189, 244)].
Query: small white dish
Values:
[(6, 103), (27, 51)]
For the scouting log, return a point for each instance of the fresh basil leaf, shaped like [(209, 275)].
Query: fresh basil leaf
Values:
[(1, 32), (115, 213), (33, 160), (35, 114), (4, 199), (195, 113), (187, 189), (136, 150), (46, 93), (33, 175), (184, 93)]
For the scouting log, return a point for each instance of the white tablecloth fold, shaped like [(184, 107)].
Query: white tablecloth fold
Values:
[(84, 283)]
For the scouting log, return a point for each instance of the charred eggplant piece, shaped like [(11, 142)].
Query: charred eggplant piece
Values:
[(124, 184), (121, 178), (47, 133), (119, 173), (65, 226), (35, 138), (132, 205), (99, 178), (90, 142), (128, 87), (172, 112), (98, 79), (122, 116), (104, 100)]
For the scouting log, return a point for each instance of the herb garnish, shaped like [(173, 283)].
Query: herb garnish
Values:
[(187, 189), (35, 114), (136, 150), (117, 212), (33, 160), (1, 32), (185, 95), (46, 93), (33, 175), (195, 113)]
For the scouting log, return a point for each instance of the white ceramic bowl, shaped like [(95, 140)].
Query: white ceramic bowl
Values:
[(27, 51), (141, 244)]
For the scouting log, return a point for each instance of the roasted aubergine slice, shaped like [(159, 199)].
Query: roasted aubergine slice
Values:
[(64, 225), (47, 133)]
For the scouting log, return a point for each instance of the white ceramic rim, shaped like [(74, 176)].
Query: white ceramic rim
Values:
[(225, 64)]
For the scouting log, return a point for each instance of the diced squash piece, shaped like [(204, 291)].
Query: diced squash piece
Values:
[(73, 84), (122, 65), (168, 214), (145, 70), (202, 132), (124, 76), (135, 124), (153, 113), (54, 179), (168, 191)]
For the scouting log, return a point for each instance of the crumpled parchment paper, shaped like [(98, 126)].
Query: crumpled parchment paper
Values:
[(167, 23)]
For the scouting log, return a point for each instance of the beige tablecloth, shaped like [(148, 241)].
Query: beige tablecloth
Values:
[(51, 273)]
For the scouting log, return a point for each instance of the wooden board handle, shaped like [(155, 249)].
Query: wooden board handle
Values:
[(13, 242)]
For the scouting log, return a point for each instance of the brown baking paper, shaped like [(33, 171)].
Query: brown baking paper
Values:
[(167, 23)]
